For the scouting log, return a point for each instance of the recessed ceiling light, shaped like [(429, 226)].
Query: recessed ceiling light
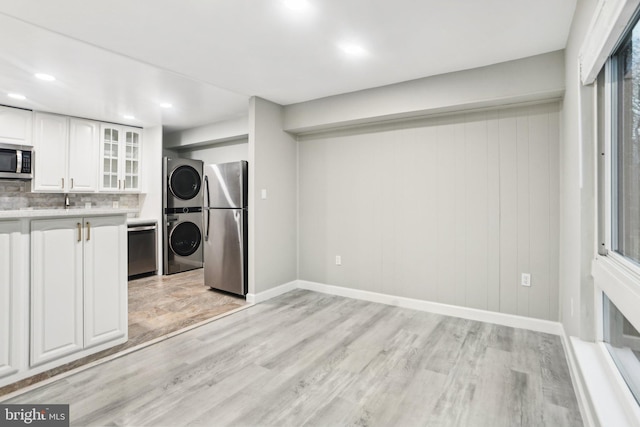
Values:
[(166, 105), (45, 77), (128, 117), (352, 49), (296, 4), (17, 96)]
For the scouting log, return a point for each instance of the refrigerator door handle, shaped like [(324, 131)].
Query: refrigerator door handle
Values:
[(206, 209), (206, 225), (206, 186)]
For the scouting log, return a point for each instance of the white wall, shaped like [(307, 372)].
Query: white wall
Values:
[(450, 209), (223, 152), (272, 221), (577, 186), (529, 79)]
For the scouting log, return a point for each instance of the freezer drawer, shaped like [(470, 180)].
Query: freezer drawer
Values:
[(142, 240), (225, 250)]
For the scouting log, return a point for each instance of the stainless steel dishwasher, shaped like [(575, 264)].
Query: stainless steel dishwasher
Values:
[(142, 238)]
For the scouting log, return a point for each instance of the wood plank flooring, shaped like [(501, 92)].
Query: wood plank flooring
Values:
[(158, 305), (312, 359)]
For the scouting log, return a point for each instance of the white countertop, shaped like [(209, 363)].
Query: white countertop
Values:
[(40, 213)]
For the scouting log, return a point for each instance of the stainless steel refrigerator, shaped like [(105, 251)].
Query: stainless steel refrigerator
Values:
[(225, 227)]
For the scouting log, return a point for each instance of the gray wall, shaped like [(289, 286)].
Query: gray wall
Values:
[(577, 208), (450, 209), (528, 79), (272, 224), (207, 134), (223, 152)]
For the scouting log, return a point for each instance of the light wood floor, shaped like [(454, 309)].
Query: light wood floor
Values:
[(313, 359), (158, 305)]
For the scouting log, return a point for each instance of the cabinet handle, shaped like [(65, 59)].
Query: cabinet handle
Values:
[(119, 184), (72, 183), (79, 232), (62, 182), (88, 230), (124, 184)]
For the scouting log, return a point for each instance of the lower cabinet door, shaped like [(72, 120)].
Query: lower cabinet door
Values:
[(56, 288), (105, 279), (9, 281)]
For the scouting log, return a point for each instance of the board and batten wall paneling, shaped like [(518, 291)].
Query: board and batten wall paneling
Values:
[(450, 209)]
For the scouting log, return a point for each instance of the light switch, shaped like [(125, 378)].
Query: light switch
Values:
[(263, 193)]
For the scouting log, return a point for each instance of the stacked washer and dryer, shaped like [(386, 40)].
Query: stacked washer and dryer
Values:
[(182, 214)]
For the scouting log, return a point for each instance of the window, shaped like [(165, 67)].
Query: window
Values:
[(626, 148), (623, 342), (619, 214)]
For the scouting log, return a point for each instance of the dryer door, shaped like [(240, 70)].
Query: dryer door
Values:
[(185, 182)]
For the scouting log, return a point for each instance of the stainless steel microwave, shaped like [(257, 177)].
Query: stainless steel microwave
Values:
[(16, 162)]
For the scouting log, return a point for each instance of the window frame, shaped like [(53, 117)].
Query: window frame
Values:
[(615, 275)]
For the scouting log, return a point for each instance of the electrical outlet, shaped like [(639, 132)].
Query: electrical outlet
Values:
[(525, 280), (338, 260), (116, 205)]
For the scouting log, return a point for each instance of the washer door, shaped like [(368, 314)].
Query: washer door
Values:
[(185, 239), (185, 182)]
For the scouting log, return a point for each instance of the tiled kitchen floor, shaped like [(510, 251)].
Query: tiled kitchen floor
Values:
[(158, 305)]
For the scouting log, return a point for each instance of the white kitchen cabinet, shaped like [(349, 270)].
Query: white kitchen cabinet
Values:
[(66, 154), (15, 125), (105, 280), (56, 288), (120, 165), (51, 147), (84, 145), (9, 282), (79, 285)]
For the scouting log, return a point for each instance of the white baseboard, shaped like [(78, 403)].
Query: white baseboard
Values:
[(272, 293), (511, 320), (537, 325)]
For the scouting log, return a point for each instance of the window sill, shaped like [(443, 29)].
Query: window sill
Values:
[(612, 401)]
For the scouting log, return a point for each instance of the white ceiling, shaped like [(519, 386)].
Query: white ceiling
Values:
[(207, 57)]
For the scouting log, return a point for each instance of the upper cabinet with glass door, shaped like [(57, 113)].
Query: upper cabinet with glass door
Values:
[(131, 159), (120, 165)]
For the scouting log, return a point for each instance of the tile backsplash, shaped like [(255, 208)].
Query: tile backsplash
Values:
[(16, 195)]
